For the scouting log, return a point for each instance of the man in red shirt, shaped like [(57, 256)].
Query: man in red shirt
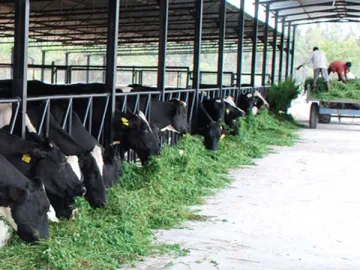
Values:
[(341, 68)]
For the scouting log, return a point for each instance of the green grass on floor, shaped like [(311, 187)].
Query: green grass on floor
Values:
[(153, 197)]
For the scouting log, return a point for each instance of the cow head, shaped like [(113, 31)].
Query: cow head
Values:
[(215, 108), (212, 135), (29, 207), (254, 101), (232, 112), (93, 181), (179, 119), (113, 169), (133, 131), (53, 167)]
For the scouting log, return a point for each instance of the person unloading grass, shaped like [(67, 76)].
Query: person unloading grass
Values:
[(341, 68), (318, 60)]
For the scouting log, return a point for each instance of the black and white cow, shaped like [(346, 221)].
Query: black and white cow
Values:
[(40, 158), (232, 112), (207, 126), (23, 202), (105, 158), (144, 137), (251, 102), (93, 179)]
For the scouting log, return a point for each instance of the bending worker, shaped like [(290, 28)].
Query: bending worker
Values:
[(318, 60), (341, 68)]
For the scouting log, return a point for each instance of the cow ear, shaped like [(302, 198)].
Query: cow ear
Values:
[(122, 120), (18, 194), (38, 153)]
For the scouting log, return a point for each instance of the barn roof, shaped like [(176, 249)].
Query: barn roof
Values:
[(298, 12), (84, 23)]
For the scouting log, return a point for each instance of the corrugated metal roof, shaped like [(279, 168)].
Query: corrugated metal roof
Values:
[(84, 22), (299, 12)]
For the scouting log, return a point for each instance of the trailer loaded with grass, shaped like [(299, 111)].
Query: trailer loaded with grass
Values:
[(342, 101)]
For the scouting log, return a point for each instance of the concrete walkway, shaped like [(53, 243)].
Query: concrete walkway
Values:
[(298, 209)]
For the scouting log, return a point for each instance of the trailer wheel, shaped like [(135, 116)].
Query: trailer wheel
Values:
[(314, 115), (324, 118)]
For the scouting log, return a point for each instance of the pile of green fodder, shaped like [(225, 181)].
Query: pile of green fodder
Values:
[(151, 197), (338, 90)]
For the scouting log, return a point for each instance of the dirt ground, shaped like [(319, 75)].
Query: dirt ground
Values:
[(299, 208)]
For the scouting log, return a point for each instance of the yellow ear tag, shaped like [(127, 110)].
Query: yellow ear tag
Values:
[(222, 136), (26, 158), (125, 121), (227, 111)]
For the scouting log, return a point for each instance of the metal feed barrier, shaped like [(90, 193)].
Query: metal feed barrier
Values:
[(171, 138)]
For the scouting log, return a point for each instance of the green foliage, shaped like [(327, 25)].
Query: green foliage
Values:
[(338, 90), (152, 197), (280, 95)]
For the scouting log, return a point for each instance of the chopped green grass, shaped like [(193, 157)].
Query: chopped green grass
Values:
[(338, 90), (153, 197)]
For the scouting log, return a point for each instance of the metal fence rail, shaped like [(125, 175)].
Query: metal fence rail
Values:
[(132, 101)]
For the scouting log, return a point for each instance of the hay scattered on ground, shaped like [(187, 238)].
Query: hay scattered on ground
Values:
[(153, 197)]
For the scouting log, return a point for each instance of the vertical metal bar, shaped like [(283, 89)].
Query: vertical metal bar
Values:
[(15, 114), (111, 64), (197, 56), (222, 31), (43, 59), (87, 68), (273, 69), (12, 63), (20, 67), (52, 72), (67, 72), (282, 49), (266, 37), (240, 43), (164, 10), (288, 51), (293, 51), (104, 72), (254, 47)]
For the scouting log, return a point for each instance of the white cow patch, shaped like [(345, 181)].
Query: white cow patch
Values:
[(29, 125), (218, 100), (51, 214), (115, 142), (4, 233), (126, 89), (257, 94), (170, 128), (6, 213), (249, 95), (5, 114), (97, 155), (254, 110), (229, 100), (143, 117), (74, 164)]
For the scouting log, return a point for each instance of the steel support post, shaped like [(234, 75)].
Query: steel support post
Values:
[(19, 85), (288, 51), (222, 31), (111, 64), (282, 50), (240, 43), (43, 59), (68, 70), (293, 51), (104, 72), (88, 59), (254, 44), (197, 56), (164, 10), (266, 38), (273, 68)]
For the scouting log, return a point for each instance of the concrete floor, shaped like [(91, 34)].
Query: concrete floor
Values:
[(297, 209)]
